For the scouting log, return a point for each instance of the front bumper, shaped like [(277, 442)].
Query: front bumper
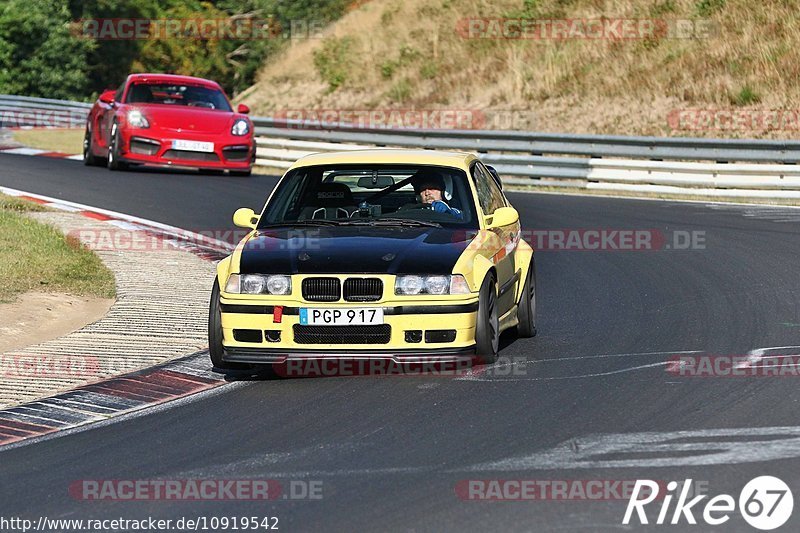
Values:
[(273, 335), (230, 153)]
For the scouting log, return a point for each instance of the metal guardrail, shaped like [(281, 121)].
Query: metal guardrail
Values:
[(28, 112), (680, 165)]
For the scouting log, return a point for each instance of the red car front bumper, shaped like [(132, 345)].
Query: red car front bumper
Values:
[(229, 152)]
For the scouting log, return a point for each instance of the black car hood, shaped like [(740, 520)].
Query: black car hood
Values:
[(356, 249)]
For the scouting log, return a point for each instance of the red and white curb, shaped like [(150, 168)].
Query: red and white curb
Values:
[(106, 399), (44, 153), (201, 245), (118, 395)]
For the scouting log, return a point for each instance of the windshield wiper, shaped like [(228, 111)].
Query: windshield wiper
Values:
[(309, 222), (389, 221)]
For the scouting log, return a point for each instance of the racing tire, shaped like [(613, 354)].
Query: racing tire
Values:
[(89, 159), (241, 173), (487, 326), (526, 307), (113, 161), (215, 348)]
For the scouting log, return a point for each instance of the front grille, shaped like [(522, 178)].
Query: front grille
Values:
[(236, 153), (378, 334), (321, 289), (363, 289), (144, 146), (189, 155)]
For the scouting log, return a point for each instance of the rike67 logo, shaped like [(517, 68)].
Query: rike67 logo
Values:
[(765, 503)]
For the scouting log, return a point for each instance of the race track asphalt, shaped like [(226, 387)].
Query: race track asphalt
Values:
[(589, 398)]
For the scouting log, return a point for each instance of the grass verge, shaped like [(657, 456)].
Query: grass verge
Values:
[(38, 257), (67, 141)]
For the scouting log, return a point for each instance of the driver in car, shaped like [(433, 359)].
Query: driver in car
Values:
[(429, 187)]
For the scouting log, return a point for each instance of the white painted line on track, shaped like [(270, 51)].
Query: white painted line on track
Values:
[(478, 377), (165, 228), (24, 151), (755, 356), (668, 449)]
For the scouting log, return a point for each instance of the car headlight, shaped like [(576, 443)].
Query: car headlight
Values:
[(411, 284), (258, 284), (240, 127), (137, 120)]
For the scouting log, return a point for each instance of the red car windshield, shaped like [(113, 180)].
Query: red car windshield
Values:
[(176, 94)]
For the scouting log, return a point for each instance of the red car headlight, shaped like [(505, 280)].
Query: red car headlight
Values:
[(137, 119), (240, 127)]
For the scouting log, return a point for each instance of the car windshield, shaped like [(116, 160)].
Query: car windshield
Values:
[(177, 94), (370, 194)]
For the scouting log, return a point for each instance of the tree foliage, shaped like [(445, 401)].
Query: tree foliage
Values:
[(43, 51)]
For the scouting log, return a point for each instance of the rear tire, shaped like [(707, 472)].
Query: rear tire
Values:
[(89, 159), (526, 308), (487, 326)]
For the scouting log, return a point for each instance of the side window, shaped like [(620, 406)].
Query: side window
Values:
[(489, 194), (118, 94)]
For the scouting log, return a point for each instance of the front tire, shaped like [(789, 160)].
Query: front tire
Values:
[(487, 327), (241, 173), (526, 308), (114, 162), (215, 349)]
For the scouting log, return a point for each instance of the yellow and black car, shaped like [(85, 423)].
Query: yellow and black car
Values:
[(410, 255)]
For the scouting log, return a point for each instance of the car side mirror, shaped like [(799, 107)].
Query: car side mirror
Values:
[(243, 109), (107, 97), (503, 216), (245, 218), (495, 175)]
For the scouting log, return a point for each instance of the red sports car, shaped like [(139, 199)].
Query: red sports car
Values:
[(168, 120)]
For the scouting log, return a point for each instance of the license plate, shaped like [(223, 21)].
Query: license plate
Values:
[(192, 146), (351, 316)]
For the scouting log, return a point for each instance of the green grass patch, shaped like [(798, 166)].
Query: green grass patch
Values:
[(746, 96), (10, 203), (400, 91), (64, 141), (706, 8), (333, 61), (38, 257)]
